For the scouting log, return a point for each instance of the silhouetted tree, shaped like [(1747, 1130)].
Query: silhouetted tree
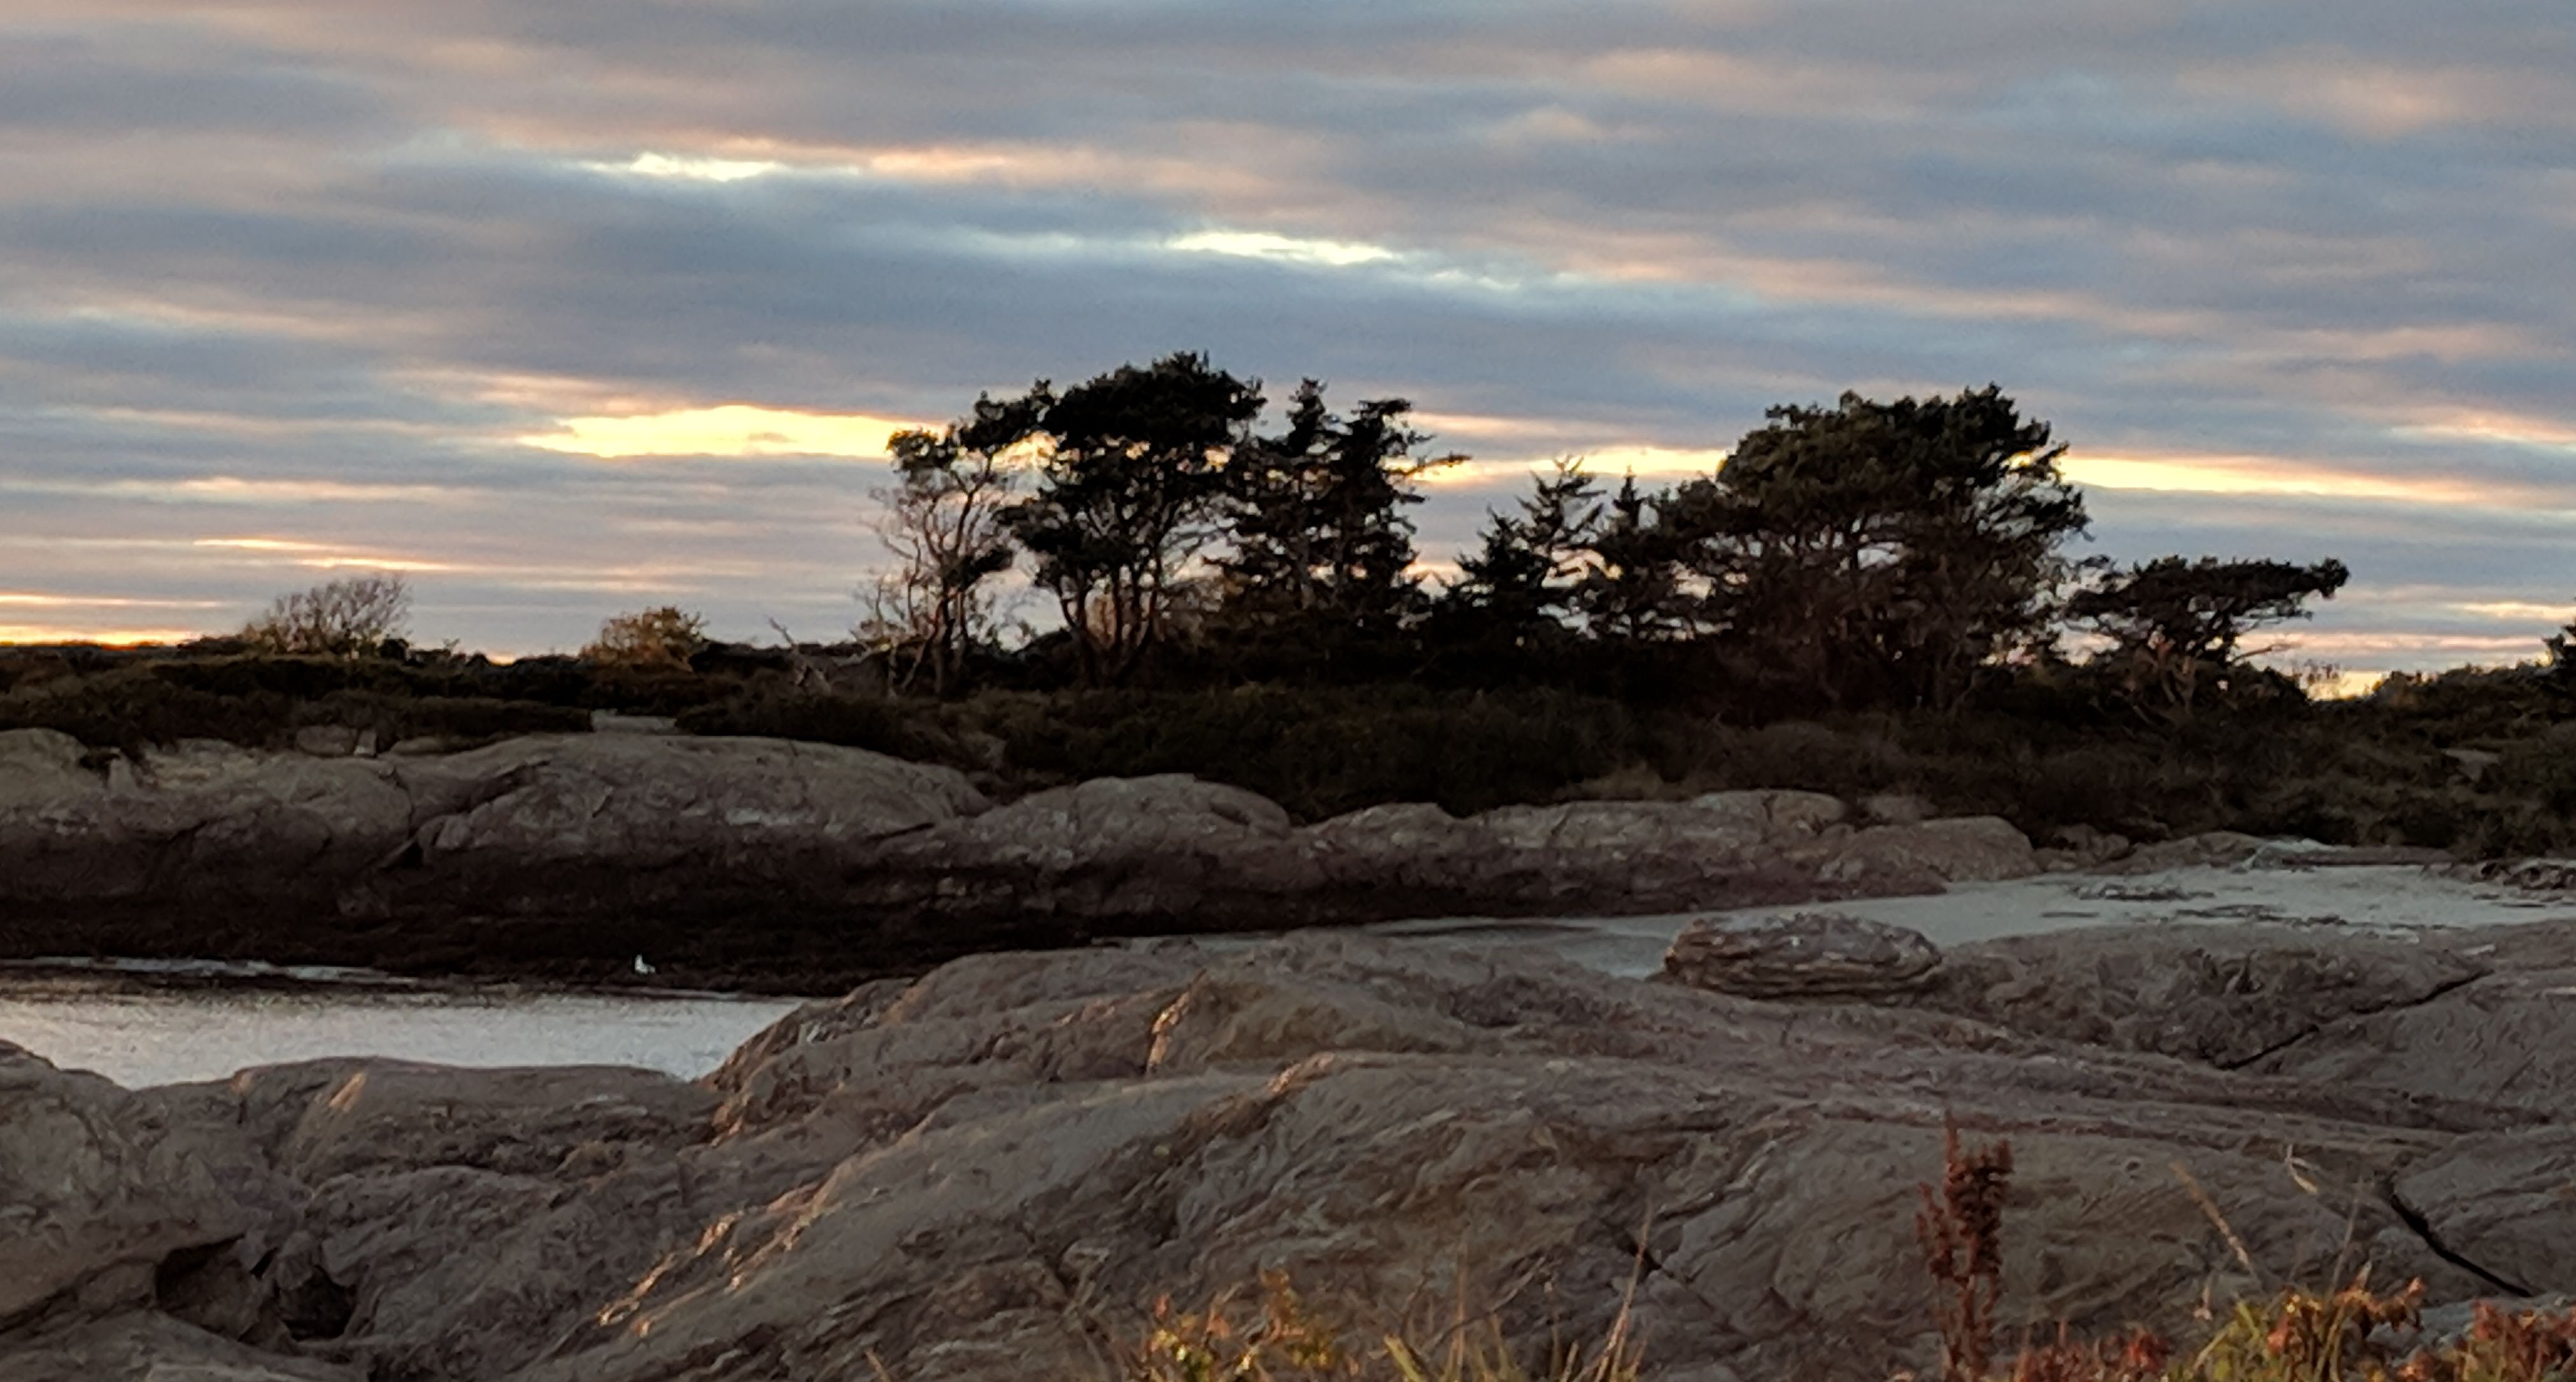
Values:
[(945, 524), (1316, 515), (1883, 552), (2558, 658), (1514, 591), (1128, 496), (2176, 626), (1633, 586), (351, 617)]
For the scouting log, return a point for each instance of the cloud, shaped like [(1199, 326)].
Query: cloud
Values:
[(726, 429), (544, 294)]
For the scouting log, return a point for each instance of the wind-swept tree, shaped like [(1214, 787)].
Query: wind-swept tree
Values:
[(944, 523), (1316, 515), (1882, 552), (1128, 497), (2176, 627)]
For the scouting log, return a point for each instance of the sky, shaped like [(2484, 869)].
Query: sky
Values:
[(569, 307)]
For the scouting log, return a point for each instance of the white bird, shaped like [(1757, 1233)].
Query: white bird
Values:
[(641, 967)]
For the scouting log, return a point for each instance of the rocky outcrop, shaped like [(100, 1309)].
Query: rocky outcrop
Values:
[(989, 1171), (764, 862)]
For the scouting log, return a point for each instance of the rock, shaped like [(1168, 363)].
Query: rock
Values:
[(979, 1173), (1895, 808), (643, 803), (1800, 955), (2504, 1201), (758, 862), (2473, 763), (381, 1115), (2215, 849), (1778, 813), (615, 722), (2507, 1038), (2227, 995), (98, 1192), (2091, 847), (38, 760), (1960, 850), (145, 1347), (327, 741)]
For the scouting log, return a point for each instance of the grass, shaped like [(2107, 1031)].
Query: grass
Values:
[(2346, 1333), (1274, 1336)]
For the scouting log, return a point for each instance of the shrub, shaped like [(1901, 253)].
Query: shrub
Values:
[(1276, 1337), (663, 637), (351, 617)]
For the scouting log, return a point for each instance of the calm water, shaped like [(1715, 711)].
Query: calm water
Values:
[(168, 1037), (161, 1036)]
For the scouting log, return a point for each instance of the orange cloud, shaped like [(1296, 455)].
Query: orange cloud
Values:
[(111, 637)]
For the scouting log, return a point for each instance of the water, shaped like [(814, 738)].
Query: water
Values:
[(2394, 898), (158, 1036), (173, 1036)]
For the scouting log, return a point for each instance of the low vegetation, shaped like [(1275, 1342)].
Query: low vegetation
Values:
[(2338, 1333), (1869, 596)]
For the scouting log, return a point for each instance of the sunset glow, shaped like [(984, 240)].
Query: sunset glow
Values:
[(730, 429), (554, 308)]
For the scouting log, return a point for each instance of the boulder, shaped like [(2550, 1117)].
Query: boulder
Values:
[(1800, 955), (2214, 849), (1895, 808), (40, 760), (1922, 856)]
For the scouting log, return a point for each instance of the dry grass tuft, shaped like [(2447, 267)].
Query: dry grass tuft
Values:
[(1276, 1337)]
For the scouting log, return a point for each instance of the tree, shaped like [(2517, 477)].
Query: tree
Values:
[(1316, 517), (944, 522), (2558, 658), (2176, 627), (1883, 552), (662, 638), (1518, 585), (1128, 497), (1633, 586), (354, 616)]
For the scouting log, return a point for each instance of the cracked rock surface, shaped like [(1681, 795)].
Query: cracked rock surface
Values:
[(981, 1173)]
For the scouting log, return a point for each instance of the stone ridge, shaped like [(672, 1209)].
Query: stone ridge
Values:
[(767, 863)]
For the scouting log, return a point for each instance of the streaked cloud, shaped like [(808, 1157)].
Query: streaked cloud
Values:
[(564, 304), (323, 556), (2224, 475), (687, 168), (727, 429), (1257, 244)]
